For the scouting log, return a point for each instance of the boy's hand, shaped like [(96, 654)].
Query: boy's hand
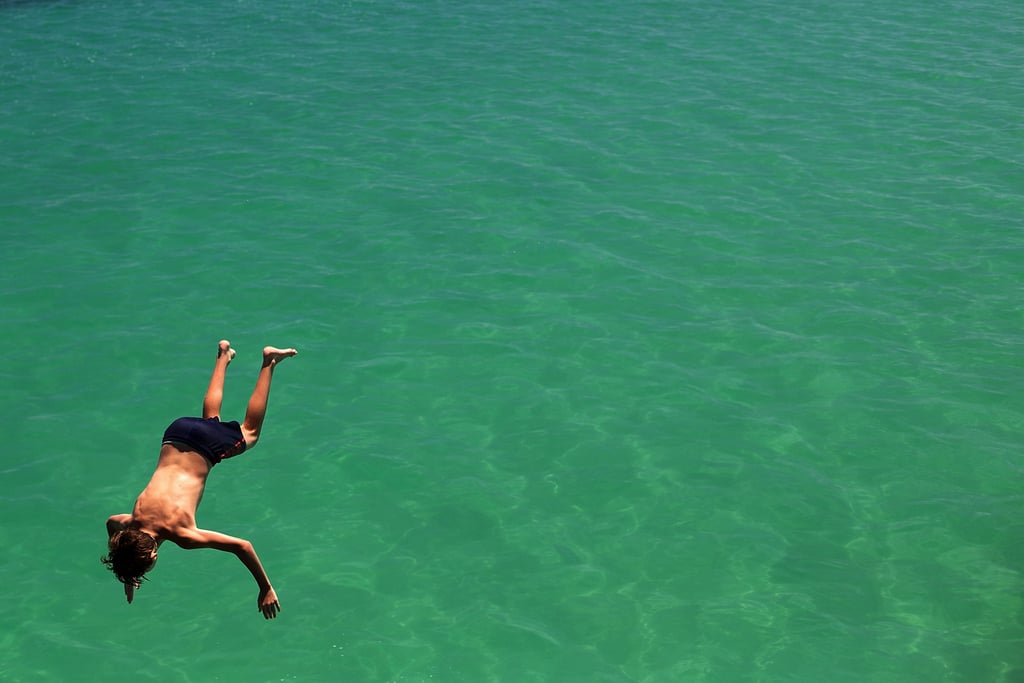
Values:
[(267, 603), (129, 590)]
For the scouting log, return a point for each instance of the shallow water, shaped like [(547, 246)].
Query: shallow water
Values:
[(644, 342)]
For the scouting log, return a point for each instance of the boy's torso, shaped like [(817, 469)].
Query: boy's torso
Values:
[(168, 503)]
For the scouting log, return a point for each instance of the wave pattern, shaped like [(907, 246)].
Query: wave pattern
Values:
[(641, 342)]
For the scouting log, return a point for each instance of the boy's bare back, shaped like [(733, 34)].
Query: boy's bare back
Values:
[(167, 506)]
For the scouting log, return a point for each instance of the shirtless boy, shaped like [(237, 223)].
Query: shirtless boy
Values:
[(166, 509)]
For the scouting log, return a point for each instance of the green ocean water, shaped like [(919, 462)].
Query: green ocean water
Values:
[(639, 342)]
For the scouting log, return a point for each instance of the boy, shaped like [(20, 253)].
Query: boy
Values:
[(166, 509)]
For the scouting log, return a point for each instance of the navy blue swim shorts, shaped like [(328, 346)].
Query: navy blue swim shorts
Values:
[(211, 438)]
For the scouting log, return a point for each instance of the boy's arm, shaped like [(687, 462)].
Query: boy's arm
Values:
[(243, 550), (117, 523)]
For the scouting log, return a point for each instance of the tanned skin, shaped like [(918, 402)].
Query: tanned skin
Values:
[(166, 508)]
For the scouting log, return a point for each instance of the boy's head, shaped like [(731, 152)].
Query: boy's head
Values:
[(131, 554)]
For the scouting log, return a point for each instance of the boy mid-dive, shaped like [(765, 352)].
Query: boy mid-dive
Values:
[(166, 508)]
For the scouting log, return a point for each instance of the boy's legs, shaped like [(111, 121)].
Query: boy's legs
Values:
[(256, 411), (215, 392)]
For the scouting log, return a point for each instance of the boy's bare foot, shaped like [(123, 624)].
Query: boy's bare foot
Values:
[(224, 347), (271, 355)]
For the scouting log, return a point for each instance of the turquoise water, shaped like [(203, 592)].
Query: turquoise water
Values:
[(653, 341)]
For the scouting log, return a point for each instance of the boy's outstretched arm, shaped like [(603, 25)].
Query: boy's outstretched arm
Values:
[(241, 548)]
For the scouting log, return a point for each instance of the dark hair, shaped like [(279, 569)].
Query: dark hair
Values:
[(130, 555)]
